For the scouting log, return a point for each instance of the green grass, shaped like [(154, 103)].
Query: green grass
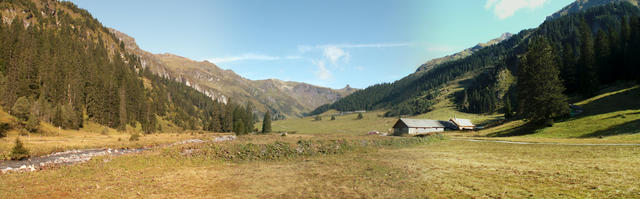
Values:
[(343, 125), (613, 115)]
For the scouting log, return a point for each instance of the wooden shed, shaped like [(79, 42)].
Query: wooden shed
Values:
[(419, 126), (462, 124)]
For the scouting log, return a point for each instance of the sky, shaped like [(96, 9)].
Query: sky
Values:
[(328, 43)]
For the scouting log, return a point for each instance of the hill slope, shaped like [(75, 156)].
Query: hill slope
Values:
[(280, 97), (462, 54), (59, 65), (496, 65)]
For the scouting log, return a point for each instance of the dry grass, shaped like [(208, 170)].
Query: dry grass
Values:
[(442, 170), (39, 144)]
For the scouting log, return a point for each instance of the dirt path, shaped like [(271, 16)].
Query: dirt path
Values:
[(544, 143), (83, 155)]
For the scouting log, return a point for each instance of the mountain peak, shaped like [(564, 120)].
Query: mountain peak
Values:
[(581, 5)]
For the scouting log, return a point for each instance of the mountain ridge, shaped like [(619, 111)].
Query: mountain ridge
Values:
[(462, 54), (284, 98)]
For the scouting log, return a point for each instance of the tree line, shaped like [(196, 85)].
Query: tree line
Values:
[(66, 70)]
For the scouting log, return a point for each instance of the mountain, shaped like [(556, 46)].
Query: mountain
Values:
[(581, 5), (462, 54), (592, 47), (60, 65), (284, 98)]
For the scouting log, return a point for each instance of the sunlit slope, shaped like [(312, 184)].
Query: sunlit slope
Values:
[(614, 115)]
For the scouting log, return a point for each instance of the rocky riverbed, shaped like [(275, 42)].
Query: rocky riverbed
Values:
[(83, 155)]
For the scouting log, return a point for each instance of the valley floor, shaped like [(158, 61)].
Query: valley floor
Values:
[(444, 169)]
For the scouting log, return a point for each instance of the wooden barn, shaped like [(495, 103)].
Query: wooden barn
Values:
[(419, 126), (462, 124)]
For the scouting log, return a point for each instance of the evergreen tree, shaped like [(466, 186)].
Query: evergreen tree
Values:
[(21, 108), (238, 128), (508, 110), (266, 123), (587, 69), (33, 123), (603, 52), (19, 152), (540, 89)]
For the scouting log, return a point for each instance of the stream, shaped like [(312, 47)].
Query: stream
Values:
[(83, 155)]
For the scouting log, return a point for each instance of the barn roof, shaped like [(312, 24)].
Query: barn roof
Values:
[(421, 123), (461, 122)]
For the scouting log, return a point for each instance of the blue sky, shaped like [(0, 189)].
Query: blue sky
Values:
[(329, 43)]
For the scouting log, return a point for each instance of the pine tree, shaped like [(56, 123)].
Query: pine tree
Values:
[(603, 52), (21, 108), (238, 128), (19, 152), (587, 70), (540, 89), (266, 123), (508, 110)]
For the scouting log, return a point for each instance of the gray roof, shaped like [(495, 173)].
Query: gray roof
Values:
[(421, 123), (462, 122)]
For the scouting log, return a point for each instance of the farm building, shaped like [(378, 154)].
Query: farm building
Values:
[(462, 124), (419, 126)]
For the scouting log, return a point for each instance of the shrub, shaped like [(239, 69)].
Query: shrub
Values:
[(33, 123), (134, 137), (21, 108), (333, 117), (4, 127), (105, 131), (19, 152), (360, 116), (318, 118)]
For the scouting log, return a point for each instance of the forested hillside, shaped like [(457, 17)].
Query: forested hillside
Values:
[(592, 48), (60, 65)]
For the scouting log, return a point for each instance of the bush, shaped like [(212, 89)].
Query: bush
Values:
[(21, 108), (360, 116), (4, 127), (105, 131), (333, 118), (134, 137), (33, 123), (19, 152), (318, 118)]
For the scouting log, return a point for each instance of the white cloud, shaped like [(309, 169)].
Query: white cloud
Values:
[(506, 8), (307, 48), (322, 73), (249, 56), (334, 54)]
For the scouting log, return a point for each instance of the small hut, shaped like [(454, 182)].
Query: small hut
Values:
[(462, 124)]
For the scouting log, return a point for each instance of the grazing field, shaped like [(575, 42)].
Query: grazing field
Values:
[(440, 169), (613, 116)]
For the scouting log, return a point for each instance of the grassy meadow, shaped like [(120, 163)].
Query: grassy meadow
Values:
[(441, 169)]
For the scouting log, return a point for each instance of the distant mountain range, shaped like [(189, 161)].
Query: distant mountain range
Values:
[(282, 98)]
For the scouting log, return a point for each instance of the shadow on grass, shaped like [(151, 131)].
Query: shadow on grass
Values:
[(521, 130), (630, 127), (627, 100)]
